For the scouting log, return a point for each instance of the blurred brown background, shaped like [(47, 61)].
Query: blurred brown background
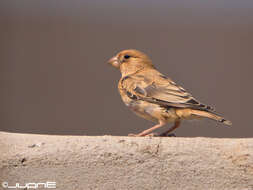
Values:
[(54, 78)]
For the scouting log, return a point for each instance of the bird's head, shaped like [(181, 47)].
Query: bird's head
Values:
[(130, 61)]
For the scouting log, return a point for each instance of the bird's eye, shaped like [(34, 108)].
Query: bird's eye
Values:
[(127, 56)]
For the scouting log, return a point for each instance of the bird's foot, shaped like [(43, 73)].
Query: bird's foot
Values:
[(139, 135), (152, 135), (132, 135), (167, 135)]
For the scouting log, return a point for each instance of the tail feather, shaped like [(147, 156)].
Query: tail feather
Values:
[(211, 116)]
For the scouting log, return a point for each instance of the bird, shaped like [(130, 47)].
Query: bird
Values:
[(155, 97)]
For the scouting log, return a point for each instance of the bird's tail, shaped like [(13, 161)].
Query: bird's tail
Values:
[(211, 116)]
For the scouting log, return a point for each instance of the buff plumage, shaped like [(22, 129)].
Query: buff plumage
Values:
[(155, 97)]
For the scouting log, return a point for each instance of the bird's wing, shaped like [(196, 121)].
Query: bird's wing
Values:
[(160, 90)]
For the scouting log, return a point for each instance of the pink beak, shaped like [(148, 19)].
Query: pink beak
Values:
[(114, 61)]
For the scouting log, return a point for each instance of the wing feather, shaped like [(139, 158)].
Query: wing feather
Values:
[(161, 90)]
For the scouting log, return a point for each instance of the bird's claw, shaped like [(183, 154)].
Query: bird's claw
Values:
[(167, 135), (133, 135), (148, 135), (164, 134)]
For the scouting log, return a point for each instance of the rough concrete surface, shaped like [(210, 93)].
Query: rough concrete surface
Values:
[(115, 162)]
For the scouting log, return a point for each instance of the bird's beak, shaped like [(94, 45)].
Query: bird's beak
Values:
[(114, 61)]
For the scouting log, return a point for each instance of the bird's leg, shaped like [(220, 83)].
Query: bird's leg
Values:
[(148, 131), (166, 133)]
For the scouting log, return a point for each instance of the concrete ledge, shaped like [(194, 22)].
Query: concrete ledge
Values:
[(110, 162)]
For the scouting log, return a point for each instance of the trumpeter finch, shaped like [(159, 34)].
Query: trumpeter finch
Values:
[(155, 97)]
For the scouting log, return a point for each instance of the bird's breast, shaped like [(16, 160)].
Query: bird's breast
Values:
[(141, 109), (149, 111)]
